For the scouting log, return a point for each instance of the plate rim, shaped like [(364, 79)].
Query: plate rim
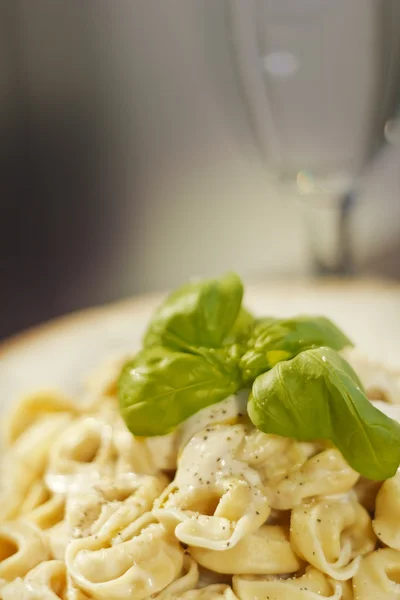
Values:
[(141, 301)]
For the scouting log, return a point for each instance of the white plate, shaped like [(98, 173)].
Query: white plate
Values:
[(62, 352)]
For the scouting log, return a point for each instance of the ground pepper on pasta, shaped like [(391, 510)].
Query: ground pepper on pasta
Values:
[(215, 510)]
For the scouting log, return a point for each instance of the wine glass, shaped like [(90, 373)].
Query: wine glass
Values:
[(321, 82)]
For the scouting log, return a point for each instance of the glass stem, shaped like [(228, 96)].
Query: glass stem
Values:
[(340, 262), (328, 224)]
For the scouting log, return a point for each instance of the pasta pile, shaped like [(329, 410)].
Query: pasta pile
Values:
[(216, 510)]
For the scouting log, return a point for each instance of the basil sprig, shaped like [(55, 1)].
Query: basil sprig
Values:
[(202, 346), (274, 340), (199, 314), (161, 388), (317, 395)]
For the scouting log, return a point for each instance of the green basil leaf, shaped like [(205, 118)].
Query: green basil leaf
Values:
[(241, 328), (197, 315), (274, 340), (317, 395), (236, 340), (160, 388)]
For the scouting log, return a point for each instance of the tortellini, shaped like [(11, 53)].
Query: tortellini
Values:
[(25, 461), (379, 381), (216, 498), (94, 447), (387, 513), (323, 474), (228, 412), (34, 408), (188, 580), (378, 576), (216, 510), (274, 456), (84, 452), (22, 547), (211, 592), (332, 535), (313, 585), (42, 507), (15, 504), (47, 581), (111, 505), (266, 551), (31, 431), (47, 511), (134, 562)]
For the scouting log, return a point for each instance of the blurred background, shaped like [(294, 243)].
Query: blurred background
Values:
[(143, 142)]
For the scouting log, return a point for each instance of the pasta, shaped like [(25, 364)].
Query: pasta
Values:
[(387, 513), (211, 592), (380, 382), (216, 510), (267, 551), (139, 560), (30, 432), (219, 509), (93, 447), (112, 504), (332, 535), (22, 547), (188, 580), (378, 576), (321, 475), (313, 585), (48, 581)]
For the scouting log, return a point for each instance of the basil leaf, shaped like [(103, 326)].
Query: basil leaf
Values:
[(198, 314), (241, 328), (317, 395), (160, 388), (274, 340), (236, 340)]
